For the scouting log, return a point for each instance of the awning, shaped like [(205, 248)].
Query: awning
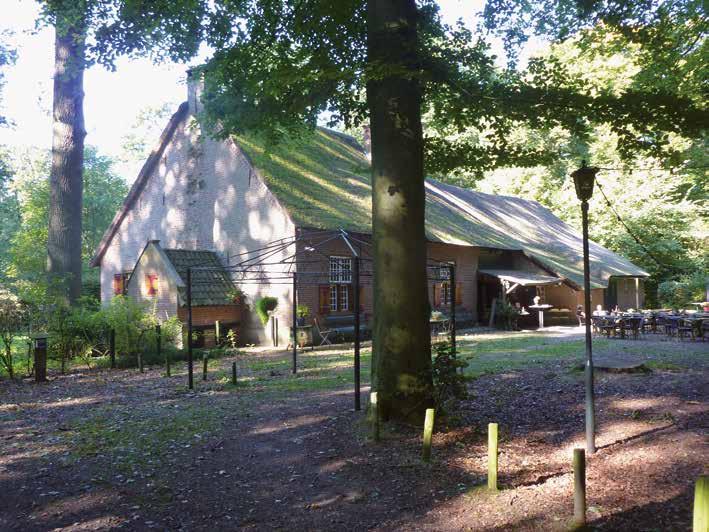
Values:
[(523, 278)]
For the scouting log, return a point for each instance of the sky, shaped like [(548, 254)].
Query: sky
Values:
[(112, 99)]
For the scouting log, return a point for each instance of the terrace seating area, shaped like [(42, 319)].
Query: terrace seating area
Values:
[(686, 325)]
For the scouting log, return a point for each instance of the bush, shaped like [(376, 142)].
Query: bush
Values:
[(506, 316), (448, 381), (680, 293), (80, 331), (13, 318), (265, 305)]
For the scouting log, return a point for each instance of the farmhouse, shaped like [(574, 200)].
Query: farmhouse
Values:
[(210, 204)]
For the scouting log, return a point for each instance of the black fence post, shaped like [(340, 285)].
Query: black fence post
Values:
[(112, 347), (357, 405), (295, 321), (452, 310), (190, 368)]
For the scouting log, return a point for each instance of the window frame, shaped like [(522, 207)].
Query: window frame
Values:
[(337, 272)]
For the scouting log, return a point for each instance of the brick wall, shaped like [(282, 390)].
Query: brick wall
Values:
[(315, 275)]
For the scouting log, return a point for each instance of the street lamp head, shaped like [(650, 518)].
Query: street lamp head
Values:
[(584, 179)]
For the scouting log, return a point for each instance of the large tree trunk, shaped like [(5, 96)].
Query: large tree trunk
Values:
[(401, 371), (66, 179)]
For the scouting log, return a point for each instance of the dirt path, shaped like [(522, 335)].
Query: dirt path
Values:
[(96, 451)]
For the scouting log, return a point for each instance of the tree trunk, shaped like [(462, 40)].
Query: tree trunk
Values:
[(66, 179), (401, 371)]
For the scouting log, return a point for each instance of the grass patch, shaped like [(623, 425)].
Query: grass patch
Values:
[(663, 365), (141, 441)]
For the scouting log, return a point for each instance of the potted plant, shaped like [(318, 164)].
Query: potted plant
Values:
[(237, 296), (301, 312)]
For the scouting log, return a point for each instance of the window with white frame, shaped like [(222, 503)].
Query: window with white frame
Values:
[(340, 270), (340, 283)]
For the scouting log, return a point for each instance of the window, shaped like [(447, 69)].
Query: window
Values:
[(340, 270), (340, 284), (120, 283), (151, 284)]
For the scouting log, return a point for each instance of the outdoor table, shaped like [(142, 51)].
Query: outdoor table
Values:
[(541, 309)]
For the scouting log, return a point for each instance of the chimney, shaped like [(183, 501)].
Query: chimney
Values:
[(195, 85), (367, 141)]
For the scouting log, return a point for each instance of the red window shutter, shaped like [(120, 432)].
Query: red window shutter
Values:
[(118, 284), (324, 299), (151, 284), (437, 294), (458, 293)]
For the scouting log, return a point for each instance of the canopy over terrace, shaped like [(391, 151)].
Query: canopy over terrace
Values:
[(511, 279)]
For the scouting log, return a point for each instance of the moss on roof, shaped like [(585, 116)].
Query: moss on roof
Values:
[(211, 284), (323, 181)]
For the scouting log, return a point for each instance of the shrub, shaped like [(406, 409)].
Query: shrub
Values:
[(448, 381), (265, 305), (133, 325), (680, 293), (506, 315), (302, 311), (13, 318)]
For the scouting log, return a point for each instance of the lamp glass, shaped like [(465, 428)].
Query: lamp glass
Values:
[(584, 179)]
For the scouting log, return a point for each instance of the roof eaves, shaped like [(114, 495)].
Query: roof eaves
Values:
[(140, 181)]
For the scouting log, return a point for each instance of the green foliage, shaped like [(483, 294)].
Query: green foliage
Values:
[(231, 339), (25, 257), (13, 319), (506, 315), (265, 305), (80, 332), (681, 293), (134, 326), (302, 311), (449, 383)]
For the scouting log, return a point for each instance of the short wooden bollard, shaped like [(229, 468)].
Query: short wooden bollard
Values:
[(217, 333), (140, 362), (428, 433), (204, 366), (492, 455), (112, 347), (233, 373), (373, 404), (167, 364), (701, 505), (579, 487)]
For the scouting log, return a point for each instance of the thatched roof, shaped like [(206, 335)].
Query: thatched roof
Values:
[(323, 181)]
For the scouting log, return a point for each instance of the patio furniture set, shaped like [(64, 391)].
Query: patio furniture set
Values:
[(674, 325)]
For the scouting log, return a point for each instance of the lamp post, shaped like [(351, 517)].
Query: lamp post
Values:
[(584, 180)]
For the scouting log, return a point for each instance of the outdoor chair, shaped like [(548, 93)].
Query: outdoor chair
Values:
[(605, 326), (324, 333), (704, 330), (631, 325), (685, 328)]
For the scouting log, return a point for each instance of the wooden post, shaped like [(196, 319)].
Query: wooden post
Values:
[(40, 359), (168, 369), (492, 455), (579, 487), (205, 359), (233, 373), (190, 362), (112, 347), (428, 434), (492, 312), (375, 415), (701, 505), (217, 333), (140, 361)]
